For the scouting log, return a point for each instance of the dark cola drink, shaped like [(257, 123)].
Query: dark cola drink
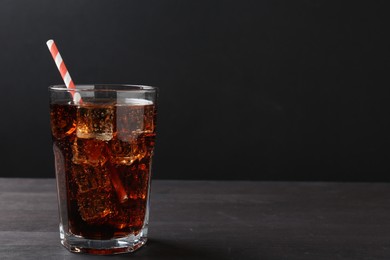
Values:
[(103, 151)]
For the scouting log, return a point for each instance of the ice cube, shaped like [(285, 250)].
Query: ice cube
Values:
[(90, 178), (123, 152), (62, 120), (138, 182), (130, 215), (94, 195), (136, 178), (96, 207), (134, 118), (89, 152), (95, 121)]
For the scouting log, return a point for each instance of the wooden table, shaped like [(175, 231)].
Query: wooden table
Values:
[(218, 220)]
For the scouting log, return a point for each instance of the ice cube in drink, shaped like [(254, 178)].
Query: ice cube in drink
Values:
[(63, 120), (89, 151), (95, 121), (134, 117)]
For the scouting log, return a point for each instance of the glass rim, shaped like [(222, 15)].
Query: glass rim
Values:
[(110, 88)]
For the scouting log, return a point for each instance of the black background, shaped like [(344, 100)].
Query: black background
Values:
[(259, 90)]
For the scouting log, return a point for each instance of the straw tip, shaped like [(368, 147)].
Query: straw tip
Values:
[(49, 43)]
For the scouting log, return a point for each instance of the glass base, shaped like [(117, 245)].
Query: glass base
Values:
[(77, 244)]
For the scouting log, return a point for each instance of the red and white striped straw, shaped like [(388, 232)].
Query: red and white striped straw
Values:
[(63, 70), (120, 190)]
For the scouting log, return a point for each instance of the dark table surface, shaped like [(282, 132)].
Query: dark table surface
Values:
[(218, 220)]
